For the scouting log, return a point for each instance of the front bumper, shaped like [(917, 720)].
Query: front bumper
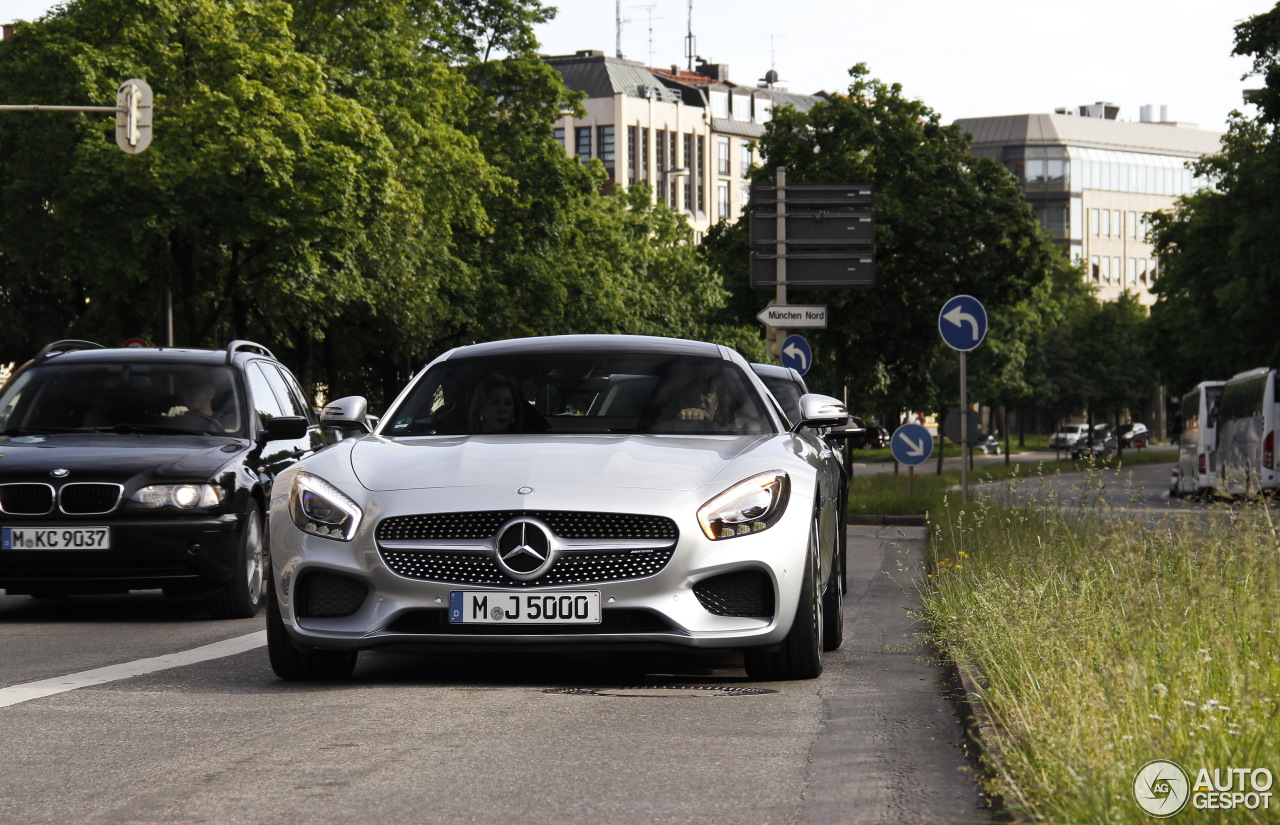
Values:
[(189, 555), (730, 594)]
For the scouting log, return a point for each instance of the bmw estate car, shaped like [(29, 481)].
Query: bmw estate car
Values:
[(139, 469), (599, 492)]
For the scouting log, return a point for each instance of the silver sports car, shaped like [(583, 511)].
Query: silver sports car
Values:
[(602, 492)]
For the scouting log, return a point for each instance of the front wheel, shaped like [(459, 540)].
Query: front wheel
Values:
[(800, 654), (242, 596), (295, 665)]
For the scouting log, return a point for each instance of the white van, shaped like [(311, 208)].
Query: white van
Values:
[(1247, 433), (1197, 470)]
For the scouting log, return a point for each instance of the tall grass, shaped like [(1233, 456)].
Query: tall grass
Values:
[(1103, 644)]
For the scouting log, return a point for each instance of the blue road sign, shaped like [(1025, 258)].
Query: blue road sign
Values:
[(911, 444), (963, 322), (796, 354)]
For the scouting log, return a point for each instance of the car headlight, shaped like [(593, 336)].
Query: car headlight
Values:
[(179, 496), (321, 509), (747, 507)]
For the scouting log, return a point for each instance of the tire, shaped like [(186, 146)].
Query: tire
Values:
[(833, 604), (242, 596), (799, 656), (295, 665)]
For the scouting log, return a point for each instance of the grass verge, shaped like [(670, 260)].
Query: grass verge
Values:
[(894, 494), (1103, 645)]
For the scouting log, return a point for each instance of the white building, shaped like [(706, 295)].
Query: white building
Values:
[(1093, 179)]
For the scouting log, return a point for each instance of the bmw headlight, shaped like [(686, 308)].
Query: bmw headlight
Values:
[(179, 496), (747, 507), (321, 509)]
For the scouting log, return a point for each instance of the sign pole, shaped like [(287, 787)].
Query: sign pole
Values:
[(964, 430), (780, 293)]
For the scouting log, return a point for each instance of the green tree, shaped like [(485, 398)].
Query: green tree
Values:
[(1218, 293), (946, 223)]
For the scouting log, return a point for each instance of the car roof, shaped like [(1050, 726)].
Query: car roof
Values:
[(86, 352), (591, 343)]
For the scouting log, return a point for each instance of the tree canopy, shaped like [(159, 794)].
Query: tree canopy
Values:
[(359, 185), (947, 223), (1218, 295)]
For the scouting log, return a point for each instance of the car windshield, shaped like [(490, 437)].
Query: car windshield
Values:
[(575, 392), (787, 392), (122, 397)]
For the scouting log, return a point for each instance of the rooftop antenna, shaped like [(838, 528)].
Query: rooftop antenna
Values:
[(649, 9), (618, 27), (690, 42)]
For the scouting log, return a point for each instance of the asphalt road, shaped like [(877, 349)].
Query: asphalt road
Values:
[(107, 720)]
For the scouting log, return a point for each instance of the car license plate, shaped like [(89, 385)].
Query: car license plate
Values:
[(55, 538), (504, 607)]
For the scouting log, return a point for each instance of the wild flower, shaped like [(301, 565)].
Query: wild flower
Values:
[(1160, 689), (1203, 655)]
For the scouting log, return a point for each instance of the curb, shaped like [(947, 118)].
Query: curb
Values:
[(980, 733), (911, 521)]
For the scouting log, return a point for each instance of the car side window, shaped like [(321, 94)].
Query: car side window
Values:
[(264, 396), (292, 395)]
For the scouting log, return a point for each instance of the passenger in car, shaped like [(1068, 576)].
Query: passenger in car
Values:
[(497, 406)]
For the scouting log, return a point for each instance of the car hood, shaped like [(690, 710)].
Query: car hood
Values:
[(669, 462), (110, 456)]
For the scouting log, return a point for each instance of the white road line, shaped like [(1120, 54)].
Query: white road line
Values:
[(61, 684)]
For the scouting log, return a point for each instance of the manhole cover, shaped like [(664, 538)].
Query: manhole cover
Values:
[(664, 691)]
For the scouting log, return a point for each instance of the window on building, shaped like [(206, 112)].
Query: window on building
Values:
[(742, 108), (722, 155), (1094, 223), (764, 109), (1133, 225), (690, 163), (719, 103), (1142, 270), (1133, 271), (633, 143), (1151, 270), (722, 201), (745, 195), (664, 164), (604, 145), (702, 175), (745, 159), (1106, 223), (1106, 270), (582, 142), (559, 133), (644, 153), (1095, 268), (1117, 225), (1117, 269)]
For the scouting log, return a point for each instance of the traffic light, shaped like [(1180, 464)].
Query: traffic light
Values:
[(133, 116)]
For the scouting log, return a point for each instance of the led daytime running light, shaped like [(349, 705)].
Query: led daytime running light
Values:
[(748, 507), (320, 509)]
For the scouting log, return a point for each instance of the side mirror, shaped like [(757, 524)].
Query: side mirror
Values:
[(286, 428), (821, 411), (350, 414)]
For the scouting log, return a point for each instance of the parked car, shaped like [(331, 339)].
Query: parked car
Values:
[(644, 523), (132, 469), (1067, 436), (1101, 445), (1127, 432)]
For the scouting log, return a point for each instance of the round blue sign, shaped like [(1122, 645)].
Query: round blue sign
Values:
[(796, 354), (911, 444), (963, 322)]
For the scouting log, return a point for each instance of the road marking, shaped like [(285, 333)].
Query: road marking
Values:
[(127, 670)]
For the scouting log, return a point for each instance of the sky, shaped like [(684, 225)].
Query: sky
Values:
[(975, 59)]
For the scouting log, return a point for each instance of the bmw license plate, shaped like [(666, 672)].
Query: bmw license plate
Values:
[(499, 607), (55, 538)]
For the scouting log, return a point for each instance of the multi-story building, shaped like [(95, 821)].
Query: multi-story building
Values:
[(1094, 179), (690, 135)]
